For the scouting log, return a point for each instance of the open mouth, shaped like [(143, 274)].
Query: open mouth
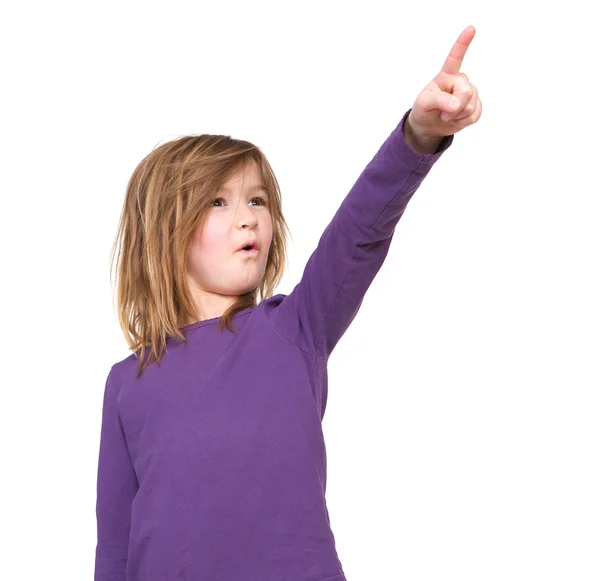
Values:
[(249, 250)]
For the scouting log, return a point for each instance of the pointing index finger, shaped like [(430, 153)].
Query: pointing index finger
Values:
[(457, 53)]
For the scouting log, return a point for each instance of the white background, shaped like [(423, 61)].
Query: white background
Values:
[(462, 426)]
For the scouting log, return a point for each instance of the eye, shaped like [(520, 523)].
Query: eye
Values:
[(262, 200)]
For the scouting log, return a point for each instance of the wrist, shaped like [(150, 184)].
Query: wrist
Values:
[(422, 144)]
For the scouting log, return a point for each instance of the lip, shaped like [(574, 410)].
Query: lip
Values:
[(253, 243), (252, 252)]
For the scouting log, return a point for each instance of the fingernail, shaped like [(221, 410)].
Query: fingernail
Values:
[(445, 116)]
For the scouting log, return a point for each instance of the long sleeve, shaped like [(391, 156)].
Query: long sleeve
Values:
[(116, 487), (353, 247)]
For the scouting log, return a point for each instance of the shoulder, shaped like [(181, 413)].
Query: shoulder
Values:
[(121, 371), (267, 305)]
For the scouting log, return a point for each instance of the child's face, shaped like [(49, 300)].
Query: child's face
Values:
[(215, 267)]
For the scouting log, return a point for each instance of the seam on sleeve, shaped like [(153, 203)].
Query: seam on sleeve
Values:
[(109, 384), (320, 335), (292, 342)]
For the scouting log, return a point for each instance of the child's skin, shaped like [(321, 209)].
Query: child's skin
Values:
[(216, 271), (427, 125), (218, 274)]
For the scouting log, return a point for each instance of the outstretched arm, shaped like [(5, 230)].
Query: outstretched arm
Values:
[(354, 245)]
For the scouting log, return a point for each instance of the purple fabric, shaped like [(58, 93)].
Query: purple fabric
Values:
[(212, 467)]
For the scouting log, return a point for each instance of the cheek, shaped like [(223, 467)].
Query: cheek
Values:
[(212, 240), (267, 227), (209, 244), (206, 252)]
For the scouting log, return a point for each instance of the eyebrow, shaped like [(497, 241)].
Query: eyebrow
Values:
[(252, 189)]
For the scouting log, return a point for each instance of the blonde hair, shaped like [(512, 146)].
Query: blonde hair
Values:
[(167, 198)]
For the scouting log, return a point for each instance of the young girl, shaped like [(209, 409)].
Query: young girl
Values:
[(212, 464)]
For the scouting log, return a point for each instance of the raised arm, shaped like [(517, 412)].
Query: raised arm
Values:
[(354, 245)]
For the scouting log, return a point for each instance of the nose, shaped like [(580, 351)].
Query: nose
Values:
[(245, 216)]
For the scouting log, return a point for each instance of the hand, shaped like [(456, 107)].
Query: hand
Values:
[(427, 118)]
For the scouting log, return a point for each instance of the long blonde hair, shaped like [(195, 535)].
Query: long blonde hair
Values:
[(167, 198)]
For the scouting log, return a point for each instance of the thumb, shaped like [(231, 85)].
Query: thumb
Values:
[(447, 102), (439, 100)]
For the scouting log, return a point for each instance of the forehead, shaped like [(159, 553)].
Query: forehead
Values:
[(248, 177)]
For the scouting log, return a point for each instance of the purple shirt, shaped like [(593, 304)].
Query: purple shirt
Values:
[(212, 467)]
